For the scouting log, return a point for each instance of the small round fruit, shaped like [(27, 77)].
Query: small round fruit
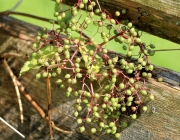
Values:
[(111, 124), (105, 50), (131, 80), (95, 108), (82, 129), (124, 124), (81, 5), (88, 120), (108, 131), (38, 75), (129, 54), (117, 135), (129, 25), (160, 79), (123, 109), (151, 67), (67, 76), (151, 97), (78, 60), (123, 11), (130, 99), (79, 121), (140, 60), (44, 74), (133, 116), (112, 21), (121, 86), (128, 92), (76, 114), (117, 13), (93, 130), (96, 114), (101, 124), (124, 47), (144, 92), (85, 1), (144, 108)]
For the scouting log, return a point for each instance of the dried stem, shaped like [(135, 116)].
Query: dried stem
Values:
[(16, 89), (59, 129), (7, 55), (48, 84), (30, 99)]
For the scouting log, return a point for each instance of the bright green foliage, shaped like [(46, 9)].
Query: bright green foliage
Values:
[(47, 52)]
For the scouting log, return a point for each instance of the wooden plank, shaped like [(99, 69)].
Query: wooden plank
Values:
[(157, 17), (162, 120)]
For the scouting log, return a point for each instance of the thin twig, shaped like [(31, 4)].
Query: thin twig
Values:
[(7, 13), (16, 5), (30, 99), (12, 127), (6, 55), (48, 84), (17, 91), (59, 129)]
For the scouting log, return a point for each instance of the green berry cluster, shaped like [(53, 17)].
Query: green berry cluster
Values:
[(87, 59)]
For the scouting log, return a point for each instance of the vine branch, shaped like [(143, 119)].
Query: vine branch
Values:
[(16, 89)]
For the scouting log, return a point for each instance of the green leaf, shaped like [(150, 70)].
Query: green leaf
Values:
[(97, 61), (47, 53)]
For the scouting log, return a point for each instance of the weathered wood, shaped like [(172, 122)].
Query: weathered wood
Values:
[(162, 121), (157, 17)]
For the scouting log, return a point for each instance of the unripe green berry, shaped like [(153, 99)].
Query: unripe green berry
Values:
[(130, 99), (129, 25), (129, 54), (160, 79), (121, 86), (128, 92), (45, 74), (95, 108), (131, 80), (38, 75), (88, 120), (117, 135), (151, 97), (111, 124), (123, 109), (76, 113), (144, 92), (133, 116), (101, 124), (93, 130), (82, 129), (117, 13), (67, 76), (144, 108)]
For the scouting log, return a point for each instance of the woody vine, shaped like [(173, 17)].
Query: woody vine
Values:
[(86, 60)]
